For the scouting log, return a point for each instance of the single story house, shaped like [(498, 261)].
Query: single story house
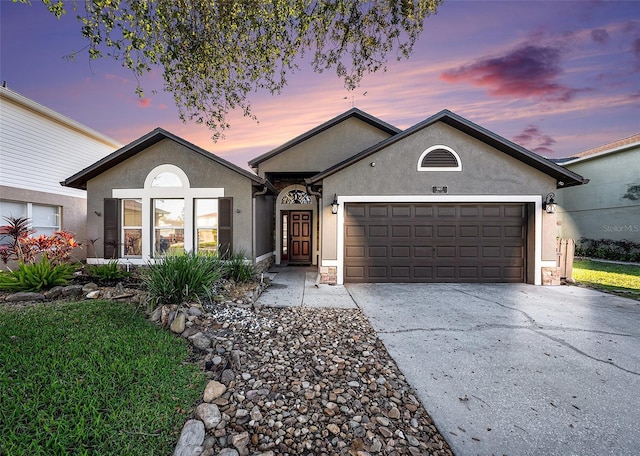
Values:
[(443, 201), (39, 148), (609, 207)]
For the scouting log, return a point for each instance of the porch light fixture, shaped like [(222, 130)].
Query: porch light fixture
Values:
[(549, 205), (334, 204)]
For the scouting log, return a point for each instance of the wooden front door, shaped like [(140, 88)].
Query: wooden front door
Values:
[(299, 237)]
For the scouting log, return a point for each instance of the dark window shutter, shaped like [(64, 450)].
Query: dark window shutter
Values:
[(439, 158), (111, 230), (225, 227)]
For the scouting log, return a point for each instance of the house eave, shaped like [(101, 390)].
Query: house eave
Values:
[(354, 112), (80, 179), (564, 177)]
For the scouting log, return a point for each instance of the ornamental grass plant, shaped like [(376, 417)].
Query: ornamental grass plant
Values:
[(177, 278)]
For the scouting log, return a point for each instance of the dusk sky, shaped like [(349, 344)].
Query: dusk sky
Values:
[(557, 77)]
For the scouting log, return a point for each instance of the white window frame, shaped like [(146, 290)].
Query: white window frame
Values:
[(29, 215), (124, 227), (148, 193)]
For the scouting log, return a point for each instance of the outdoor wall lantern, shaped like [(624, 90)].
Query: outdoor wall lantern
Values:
[(334, 204), (549, 205)]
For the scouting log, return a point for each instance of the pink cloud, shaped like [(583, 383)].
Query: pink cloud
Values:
[(144, 102), (534, 139), (527, 72), (115, 77)]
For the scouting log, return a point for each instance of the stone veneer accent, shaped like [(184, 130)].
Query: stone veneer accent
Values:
[(328, 274)]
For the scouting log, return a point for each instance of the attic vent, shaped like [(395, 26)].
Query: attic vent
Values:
[(439, 158)]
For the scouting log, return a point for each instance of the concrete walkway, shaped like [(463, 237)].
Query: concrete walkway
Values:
[(295, 286)]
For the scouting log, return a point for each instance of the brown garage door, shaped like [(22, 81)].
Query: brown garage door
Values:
[(434, 243)]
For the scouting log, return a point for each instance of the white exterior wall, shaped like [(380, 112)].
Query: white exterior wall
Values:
[(39, 148)]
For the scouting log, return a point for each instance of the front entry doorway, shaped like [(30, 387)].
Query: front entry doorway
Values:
[(296, 236)]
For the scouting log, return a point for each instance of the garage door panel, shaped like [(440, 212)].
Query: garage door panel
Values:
[(423, 231), (378, 251), (378, 231), (402, 231), (401, 211), (379, 211), (429, 243), (353, 231)]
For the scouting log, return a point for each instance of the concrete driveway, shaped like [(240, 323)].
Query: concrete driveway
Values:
[(516, 369)]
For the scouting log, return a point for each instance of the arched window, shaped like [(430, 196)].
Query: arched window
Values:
[(166, 179), (439, 158), (296, 196)]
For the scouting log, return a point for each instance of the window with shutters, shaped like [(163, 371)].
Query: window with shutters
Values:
[(439, 158), (166, 216)]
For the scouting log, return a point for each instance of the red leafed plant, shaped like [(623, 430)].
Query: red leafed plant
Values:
[(16, 243)]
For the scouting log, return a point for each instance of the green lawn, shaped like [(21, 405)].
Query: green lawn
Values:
[(91, 378), (608, 276)]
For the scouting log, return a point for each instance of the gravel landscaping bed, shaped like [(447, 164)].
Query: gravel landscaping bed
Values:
[(300, 381)]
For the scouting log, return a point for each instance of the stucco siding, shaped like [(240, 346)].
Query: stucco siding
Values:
[(201, 172), (604, 208), (325, 149), (485, 171)]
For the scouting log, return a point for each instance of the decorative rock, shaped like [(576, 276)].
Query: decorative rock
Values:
[(89, 287), (213, 391), (333, 428), (413, 441), (178, 323), (95, 294), (191, 438), (24, 296), (200, 341), (228, 452), (54, 293), (394, 413), (72, 291), (194, 312), (240, 440), (156, 315), (227, 376), (209, 414)]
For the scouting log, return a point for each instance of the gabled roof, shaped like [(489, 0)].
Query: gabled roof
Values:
[(620, 145), (564, 177), (353, 112), (79, 180)]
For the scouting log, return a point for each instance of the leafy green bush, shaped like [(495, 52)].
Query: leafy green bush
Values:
[(37, 276), (177, 278), (107, 272), (237, 268), (608, 249)]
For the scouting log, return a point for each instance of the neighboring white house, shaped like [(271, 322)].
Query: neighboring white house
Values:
[(39, 148), (609, 207)]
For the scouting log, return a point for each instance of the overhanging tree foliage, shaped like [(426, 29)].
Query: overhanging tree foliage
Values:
[(215, 53)]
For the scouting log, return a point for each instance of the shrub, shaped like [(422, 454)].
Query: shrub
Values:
[(37, 276), (608, 249), (24, 248), (237, 268), (107, 272), (177, 278)]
